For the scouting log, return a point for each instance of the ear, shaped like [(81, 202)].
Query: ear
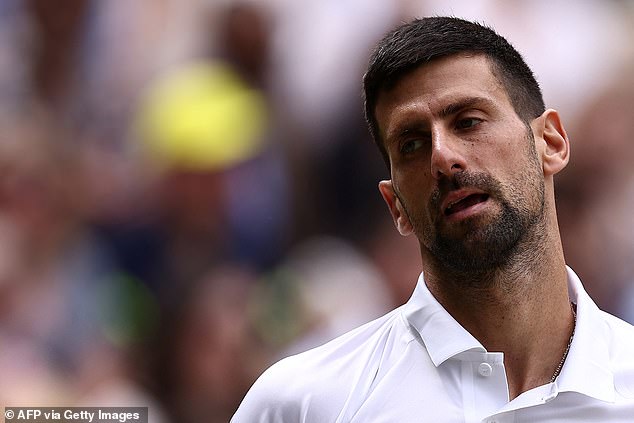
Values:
[(555, 150), (401, 220)]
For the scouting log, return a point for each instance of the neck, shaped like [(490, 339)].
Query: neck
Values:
[(520, 308)]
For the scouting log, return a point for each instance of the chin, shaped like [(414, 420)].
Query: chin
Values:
[(476, 251)]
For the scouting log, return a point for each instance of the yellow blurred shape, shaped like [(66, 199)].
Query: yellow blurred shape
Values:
[(202, 117)]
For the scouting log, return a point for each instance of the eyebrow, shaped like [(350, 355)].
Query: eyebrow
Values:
[(465, 103), (409, 127)]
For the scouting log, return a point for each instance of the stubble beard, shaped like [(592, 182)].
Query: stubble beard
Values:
[(483, 245), (488, 243)]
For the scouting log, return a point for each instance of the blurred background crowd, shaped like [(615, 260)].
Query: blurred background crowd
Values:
[(188, 191)]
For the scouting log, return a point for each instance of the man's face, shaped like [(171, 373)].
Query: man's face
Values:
[(466, 178)]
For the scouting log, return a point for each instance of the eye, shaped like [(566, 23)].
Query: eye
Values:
[(467, 123), (411, 146)]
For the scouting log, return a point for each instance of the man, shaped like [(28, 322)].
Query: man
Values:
[(498, 329)]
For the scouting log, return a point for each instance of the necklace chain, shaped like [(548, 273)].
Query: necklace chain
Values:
[(563, 359)]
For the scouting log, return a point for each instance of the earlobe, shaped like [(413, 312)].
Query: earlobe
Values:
[(556, 146), (401, 220)]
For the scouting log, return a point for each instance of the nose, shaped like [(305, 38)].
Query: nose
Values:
[(446, 158)]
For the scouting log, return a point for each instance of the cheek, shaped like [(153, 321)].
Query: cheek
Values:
[(414, 192), (504, 149), (526, 180), (510, 157)]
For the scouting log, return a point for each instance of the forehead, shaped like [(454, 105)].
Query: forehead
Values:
[(429, 88)]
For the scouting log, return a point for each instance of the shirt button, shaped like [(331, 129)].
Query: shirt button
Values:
[(485, 369)]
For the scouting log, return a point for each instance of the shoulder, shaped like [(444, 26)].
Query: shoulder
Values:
[(621, 335), (318, 382), (621, 354)]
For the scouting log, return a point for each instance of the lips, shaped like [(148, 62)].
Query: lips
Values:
[(461, 201)]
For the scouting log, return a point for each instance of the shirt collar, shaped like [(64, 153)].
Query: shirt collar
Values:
[(587, 367), (585, 371), (441, 334)]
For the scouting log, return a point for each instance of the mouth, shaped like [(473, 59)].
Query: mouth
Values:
[(463, 203)]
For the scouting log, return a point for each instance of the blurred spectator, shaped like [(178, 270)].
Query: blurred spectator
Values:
[(338, 289), (16, 52), (209, 354), (598, 194), (58, 289), (396, 258), (202, 130), (57, 30), (244, 40)]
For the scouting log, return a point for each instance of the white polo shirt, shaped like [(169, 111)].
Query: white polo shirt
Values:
[(417, 364)]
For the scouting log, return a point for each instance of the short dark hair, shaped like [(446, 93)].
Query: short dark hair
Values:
[(421, 41)]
